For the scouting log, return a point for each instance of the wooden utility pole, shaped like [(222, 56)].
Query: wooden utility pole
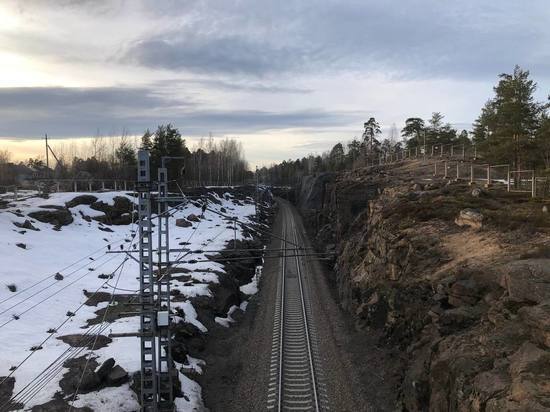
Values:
[(47, 153)]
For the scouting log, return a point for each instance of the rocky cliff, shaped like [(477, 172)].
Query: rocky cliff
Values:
[(456, 278)]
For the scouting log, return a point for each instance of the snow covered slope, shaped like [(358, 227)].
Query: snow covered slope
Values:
[(45, 271)]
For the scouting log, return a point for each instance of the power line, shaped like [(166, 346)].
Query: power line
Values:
[(50, 296), (96, 337), (56, 331)]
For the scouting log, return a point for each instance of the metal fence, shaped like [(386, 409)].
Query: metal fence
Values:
[(460, 162), (14, 192)]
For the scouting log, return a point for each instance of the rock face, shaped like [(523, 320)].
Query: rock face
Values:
[(470, 321)]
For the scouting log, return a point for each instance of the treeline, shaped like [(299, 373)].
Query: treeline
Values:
[(211, 162), (218, 163), (512, 128)]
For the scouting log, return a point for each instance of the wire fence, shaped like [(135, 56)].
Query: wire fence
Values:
[(461, 162), (18, 192)]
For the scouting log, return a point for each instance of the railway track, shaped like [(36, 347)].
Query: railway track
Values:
[(296, 377)]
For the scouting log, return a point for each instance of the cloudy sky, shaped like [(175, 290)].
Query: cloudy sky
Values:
[(286, 77)]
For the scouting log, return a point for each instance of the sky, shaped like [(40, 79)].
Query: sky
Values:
[(287, 78)]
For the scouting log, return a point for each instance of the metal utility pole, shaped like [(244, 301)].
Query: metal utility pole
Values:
[(164, 355), (257, 193), (157, 367), (147, 332)]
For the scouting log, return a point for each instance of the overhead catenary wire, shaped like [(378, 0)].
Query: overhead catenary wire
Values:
[(53, 369), (55, 331), (234, 218), (96, 337), (62, 270), (40, 383), (50, 296)]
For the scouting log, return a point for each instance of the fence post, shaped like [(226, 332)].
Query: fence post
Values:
[(471, 173), (533, 185), (452, 150), (445, 166), (441, 151), (57, 186), (115, 186), (416, 152), (75, 186), (435, 168), (103, 185), (475, 151), (89, 186), (488, 176), (457, 171), (463, 152), (508, 182), (15, 193), (125, 186), (432, 150)]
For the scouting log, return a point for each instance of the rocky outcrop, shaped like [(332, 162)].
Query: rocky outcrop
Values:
[(57, 217), (120, 213), (470, 217), (467, 309), (81, 200)]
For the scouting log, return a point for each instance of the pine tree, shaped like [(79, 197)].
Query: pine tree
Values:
[(413, 131), (146, 143), (507, 125)]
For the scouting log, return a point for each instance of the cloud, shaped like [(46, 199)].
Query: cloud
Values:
[(416, 39), (73, 112)]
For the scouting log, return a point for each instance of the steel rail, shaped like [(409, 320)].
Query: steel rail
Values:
[(306, 326), (292, 341)]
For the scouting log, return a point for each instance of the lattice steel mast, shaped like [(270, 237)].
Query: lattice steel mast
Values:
[(147, 332)]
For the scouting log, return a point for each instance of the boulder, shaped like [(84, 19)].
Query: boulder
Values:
[(183, 223), (56, 217), (76, 340), (226, 294), (90, 381), (120, 213), (193, 218), (477, 192), (453, 320), (6, 389), (464, 292), (530, 372), (21, 245), (117, 376), (470, 217), (528, 358), (26, 225), (81, 200), (527, 280), (58, 404), (538, 319), (105, 369), (490, 384)]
